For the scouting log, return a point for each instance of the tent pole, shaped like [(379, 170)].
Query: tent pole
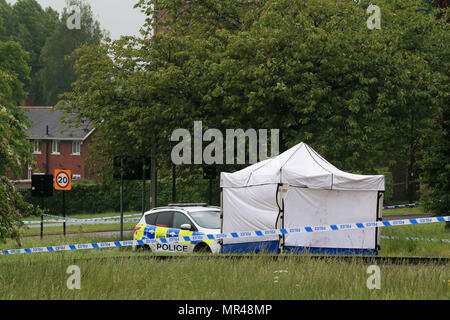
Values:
[(379, 218), (221, 219), (280, 217)]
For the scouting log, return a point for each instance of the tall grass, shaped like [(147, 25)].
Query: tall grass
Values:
[(209, 278), (43, 275)]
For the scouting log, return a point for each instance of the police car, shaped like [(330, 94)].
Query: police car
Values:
[(178, 220)]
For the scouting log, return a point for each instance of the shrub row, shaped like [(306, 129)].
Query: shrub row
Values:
[(91, 197)]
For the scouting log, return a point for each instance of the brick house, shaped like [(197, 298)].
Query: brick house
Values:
[(56, 145)]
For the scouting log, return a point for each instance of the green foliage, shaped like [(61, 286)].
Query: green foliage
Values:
[(311, 68), (91, 197), (46, 38), (14, 148), (57, 73), (13, 153), (435, 166), (389, 183), (28, 24), (14, 72)]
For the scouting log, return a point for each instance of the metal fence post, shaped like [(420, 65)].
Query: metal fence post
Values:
[(42, 226)]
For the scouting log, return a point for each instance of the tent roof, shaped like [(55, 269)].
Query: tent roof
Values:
[(300, 166)]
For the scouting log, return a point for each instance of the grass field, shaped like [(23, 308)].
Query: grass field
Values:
[(105, 276), (43, 276), (58, 230), (400, 211)]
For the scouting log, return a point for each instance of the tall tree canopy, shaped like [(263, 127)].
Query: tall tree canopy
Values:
[(43, 33), (57, 72), (28, 24), (310, 68), (14, 148)]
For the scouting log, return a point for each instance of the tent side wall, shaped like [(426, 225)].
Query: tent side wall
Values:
[(248, 209), (312, 207)]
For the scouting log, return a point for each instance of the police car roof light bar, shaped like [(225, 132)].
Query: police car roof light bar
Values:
[(200, 204)]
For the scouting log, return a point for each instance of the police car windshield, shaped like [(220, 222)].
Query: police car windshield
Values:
[(207, 219)]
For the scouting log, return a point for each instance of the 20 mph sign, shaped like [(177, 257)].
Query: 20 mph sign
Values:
[(63, 180)]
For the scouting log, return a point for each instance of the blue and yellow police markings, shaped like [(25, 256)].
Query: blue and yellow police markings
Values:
[(154, 232)]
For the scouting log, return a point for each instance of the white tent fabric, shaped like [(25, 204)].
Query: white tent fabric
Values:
[(310, 207), (252, 208), (300, 166), (318, 194)]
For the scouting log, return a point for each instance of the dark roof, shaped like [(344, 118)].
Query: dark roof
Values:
[(42, 117)]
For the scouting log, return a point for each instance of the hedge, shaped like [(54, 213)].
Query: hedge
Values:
[(92, 197)]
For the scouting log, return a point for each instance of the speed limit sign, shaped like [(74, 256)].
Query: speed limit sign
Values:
[(63, 180)]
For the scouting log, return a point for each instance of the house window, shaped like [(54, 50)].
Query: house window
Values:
[(37, 146), (55, 147), (76, 147)]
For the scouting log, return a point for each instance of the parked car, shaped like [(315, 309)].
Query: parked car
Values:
[(177, 220)]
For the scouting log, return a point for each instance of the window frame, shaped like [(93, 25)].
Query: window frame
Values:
[(193, 226), (153, 214), (37, 143), (169, 224), (58, 144), (77, 152)]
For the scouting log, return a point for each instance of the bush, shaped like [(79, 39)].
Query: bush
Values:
[(389, 183)]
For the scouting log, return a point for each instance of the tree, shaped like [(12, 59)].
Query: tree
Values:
[(14, 71), (435, 166), (310, 68), (12, 206), (28, 24), (57, 73), (14, 147)]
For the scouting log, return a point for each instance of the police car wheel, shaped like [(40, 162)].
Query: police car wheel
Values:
[(202, 248)]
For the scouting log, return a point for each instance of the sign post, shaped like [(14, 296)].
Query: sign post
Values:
[(41, 186), (63, 181)]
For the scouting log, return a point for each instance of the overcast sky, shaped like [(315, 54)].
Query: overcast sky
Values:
[(116, 16)]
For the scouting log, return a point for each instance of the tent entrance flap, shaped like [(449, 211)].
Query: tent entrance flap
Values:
[(248, 209)]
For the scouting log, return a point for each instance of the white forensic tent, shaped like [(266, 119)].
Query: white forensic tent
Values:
[(300, 188)]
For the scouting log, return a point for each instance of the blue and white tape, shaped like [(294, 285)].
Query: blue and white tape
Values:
[(100, 219), (409, 205), (232, 235), (416, 239)]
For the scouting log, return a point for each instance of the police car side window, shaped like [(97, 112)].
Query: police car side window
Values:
[(151, 218), (179, 219), (164, 219)]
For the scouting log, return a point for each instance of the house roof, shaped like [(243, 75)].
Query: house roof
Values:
[(42, 117)]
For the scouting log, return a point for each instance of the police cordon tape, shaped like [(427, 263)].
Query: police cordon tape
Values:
[(416, 239), (409, 205), (100, 219), (232, 235)]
